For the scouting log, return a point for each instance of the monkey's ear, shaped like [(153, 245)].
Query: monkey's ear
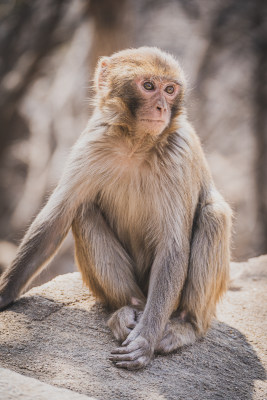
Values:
[(102, 73)]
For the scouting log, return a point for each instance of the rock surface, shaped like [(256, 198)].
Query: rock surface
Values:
[(16, 386), (57, 334)]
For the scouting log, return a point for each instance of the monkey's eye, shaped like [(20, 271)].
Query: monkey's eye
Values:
[(169, 89), (148, 86)]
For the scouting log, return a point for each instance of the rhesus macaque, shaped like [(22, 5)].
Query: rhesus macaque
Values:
[(151, 231)]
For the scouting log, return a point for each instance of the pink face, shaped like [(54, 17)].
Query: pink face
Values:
[(158, 95)]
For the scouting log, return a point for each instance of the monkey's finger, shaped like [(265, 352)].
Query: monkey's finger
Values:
[(130, 339), (120, 350), (126, 342), (133, 336), (134, 355), (126, 349), (132, 365), (132, 325)]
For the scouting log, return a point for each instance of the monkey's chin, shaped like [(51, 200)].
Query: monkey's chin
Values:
[(151, 126)]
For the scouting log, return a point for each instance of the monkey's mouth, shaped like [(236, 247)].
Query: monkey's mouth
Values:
[(152, 120)]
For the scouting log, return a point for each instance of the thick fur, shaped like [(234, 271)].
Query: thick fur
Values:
[(148, 223)]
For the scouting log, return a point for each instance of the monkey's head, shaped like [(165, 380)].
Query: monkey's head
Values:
[(141, 89)]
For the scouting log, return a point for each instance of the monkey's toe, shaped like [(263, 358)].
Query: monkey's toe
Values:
[(168, 344), (122, 322), (170, 341), (176, 335)]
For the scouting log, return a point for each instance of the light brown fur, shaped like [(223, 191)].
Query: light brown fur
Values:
[(151, 231)]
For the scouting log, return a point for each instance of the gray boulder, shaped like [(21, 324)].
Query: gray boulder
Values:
[(57, 334)]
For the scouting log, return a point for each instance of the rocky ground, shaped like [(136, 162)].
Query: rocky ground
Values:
[(55, 338)]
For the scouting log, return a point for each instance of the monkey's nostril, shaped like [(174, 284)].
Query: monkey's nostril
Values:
[(158, 108)]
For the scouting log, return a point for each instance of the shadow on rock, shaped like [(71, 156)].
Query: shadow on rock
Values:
[(69, 345)]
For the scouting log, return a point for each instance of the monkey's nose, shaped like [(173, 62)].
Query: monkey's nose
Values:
[(161, 109), (161, 106)]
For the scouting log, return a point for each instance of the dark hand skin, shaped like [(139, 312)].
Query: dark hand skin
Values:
[(136, 352)]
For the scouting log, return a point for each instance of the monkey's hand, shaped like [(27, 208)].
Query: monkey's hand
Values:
[(136, 352)]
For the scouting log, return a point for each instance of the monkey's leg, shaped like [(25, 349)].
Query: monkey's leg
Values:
[(207, 276), (167, 277), (105, 265)]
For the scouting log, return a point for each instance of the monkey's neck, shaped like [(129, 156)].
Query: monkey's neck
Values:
[(120, 128), (140, 143)]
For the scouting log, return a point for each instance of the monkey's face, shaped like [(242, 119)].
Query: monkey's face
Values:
[(140, 89), (157, 99)]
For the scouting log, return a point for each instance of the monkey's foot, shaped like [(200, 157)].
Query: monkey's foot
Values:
[(123, 321), (176, 334), (135, 353)]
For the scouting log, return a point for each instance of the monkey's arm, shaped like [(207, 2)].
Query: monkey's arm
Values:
[(47, 230), (105, 265), (167, 278)]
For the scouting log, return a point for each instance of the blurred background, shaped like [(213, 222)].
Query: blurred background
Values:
[(48, 51)]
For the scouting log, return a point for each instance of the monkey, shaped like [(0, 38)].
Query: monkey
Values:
[(151, 231)]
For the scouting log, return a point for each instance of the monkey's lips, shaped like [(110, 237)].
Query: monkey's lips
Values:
[(152, 120)]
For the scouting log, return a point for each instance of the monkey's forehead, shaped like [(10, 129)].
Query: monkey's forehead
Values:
[(145, 62)]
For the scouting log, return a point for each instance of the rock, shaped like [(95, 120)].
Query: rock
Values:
[(57, 333), (15, 386)]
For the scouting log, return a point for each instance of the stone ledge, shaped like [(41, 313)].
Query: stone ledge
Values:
[(57, 334), (14, 386)]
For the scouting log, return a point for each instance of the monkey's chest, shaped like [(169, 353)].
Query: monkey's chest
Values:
[(140, 199), (128, 202)]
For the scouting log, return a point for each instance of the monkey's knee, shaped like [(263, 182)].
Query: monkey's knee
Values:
[(123, 321)]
